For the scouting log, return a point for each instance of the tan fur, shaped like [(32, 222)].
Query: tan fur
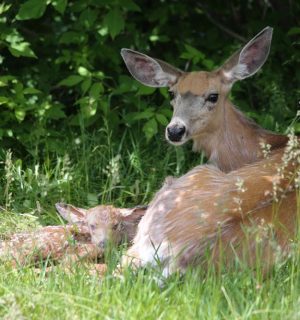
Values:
[(105, 223), (228, 138), (78, 240), (198, 83), (51, 242), (247, 214)]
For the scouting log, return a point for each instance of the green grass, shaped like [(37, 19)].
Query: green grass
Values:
[(125, 171), (232, 295)]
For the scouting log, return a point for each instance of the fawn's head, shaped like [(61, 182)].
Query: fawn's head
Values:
[(105, 223), (199, 98)]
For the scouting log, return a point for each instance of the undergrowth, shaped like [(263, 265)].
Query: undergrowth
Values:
[(125, 171)]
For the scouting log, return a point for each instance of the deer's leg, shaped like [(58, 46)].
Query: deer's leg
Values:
[(97, 269), (86, 251)]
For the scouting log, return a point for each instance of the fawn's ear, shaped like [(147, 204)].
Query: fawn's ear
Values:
[(150, 72), (133, 215), (250, 58), (71, 213)]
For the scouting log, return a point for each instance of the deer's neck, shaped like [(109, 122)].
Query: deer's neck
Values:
[(237, 141)]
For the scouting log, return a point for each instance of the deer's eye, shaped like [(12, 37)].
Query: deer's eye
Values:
[(93, 227), (115, 226), (213, 98)]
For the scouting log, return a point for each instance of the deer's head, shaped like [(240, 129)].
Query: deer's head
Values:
[(198, 98), (105, 223)]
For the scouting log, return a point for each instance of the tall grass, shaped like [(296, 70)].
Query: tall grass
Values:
[(125, 171)]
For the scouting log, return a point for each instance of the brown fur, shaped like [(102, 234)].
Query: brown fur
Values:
[(229, 139), (247, 214), (105, 223), (51, 242), (75, 241)]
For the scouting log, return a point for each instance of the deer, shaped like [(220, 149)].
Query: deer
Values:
[(105, 223), (210, 218), (82, 239), (202, 111), (50, 242), (195, 212)]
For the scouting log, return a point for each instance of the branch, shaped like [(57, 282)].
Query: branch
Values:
[(221, 26)]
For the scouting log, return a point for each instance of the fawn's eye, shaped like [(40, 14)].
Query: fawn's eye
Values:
[(93, 227), (115, 226), (213, 98)]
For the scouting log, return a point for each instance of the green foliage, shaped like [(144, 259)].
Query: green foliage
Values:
[(62, 72)]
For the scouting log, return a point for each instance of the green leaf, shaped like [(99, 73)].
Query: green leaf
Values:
[(84, 71), (162, 119), (88, 18), (150, 129), (166, 112), (20, 115), (59, 5), (293, 31), (209, 64), (149, 113), (125, 84), (96, 89), (3, 100), (71, 81), (32, 9), (87, 107), (114, 22), (297, 127), (129, 5), (86, 85), (5, 79), (21, 49), (55, 112), (72, 37), (192, 53), (4, 7), (165, 93), (31, 91), (144, 90)]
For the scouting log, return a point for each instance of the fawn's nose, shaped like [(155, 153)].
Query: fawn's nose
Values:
[(102, 244), (175, 132)]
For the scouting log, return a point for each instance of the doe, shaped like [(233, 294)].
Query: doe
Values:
[(202, 110), (254, 205)]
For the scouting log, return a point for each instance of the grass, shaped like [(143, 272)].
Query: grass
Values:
[(232, 295), (125, 171)]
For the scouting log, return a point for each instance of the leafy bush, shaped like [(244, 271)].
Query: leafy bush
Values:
[(62, 73)]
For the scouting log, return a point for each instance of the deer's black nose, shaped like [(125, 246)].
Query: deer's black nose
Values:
[(175, 133)]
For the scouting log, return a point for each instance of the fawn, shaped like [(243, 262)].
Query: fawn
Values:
[(207, 209), (83, 238), (51, 242), (104, 223)]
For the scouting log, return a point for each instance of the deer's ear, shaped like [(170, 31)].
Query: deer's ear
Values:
[(250, 58), (71, 213), (150, 72), (133, 215)]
